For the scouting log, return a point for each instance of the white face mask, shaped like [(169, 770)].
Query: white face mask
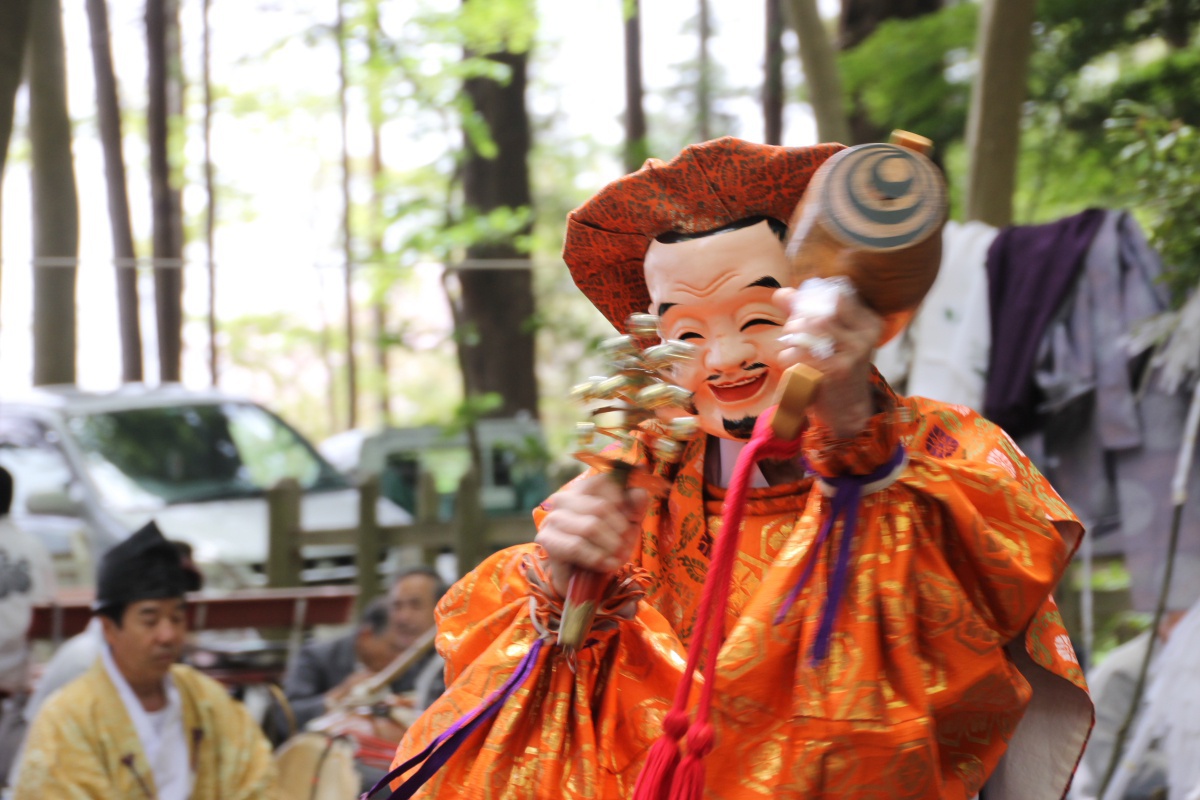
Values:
[(715, 293)]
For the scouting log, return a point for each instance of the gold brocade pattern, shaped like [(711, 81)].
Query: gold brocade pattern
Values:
[(917, 698)]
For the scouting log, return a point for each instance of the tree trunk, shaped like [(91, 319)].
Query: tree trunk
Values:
[(108, 113), (497, 304), (210, 197), (161, 19), (14, 25), (55, 201), (704, 76), (176, 87), (859, 20), (379, 305), (819, 61), (347, 241), (637, 149), (994, 125), (772, 98)]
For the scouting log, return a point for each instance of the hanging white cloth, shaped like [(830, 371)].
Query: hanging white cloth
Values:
[(943, 354)]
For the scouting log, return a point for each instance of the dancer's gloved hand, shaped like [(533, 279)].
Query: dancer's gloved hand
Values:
[(836, 334), (592, 524)]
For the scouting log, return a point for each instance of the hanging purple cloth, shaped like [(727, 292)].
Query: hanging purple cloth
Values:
[(1032, 270)]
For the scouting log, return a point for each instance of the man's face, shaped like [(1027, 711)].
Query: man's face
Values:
[(375, 650), (411, 607), (715, 294), (149, 639)]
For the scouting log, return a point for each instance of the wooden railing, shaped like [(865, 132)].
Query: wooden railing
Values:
[(295, 608), (471, 534)]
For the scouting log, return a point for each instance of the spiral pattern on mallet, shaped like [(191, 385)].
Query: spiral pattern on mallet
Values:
[(882, 197)]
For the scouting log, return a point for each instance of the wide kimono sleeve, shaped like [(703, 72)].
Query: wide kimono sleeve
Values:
[(579, 725), (60, 760), (245, 765), (972, 541)]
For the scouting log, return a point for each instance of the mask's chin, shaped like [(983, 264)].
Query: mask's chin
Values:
[(739, 428)]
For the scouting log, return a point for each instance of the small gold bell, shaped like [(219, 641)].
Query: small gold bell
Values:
[(585, 433), (611, 388), (683, 427), (642, 325), (663, 395), (618, 346), (668, 450)]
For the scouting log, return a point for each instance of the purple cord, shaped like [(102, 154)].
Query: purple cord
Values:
[(439, 751), (846, 497)]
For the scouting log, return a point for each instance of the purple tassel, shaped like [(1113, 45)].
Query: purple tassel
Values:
[(439, 751), (846, 497)]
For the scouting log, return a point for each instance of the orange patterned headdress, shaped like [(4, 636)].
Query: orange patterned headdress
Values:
[(706, 186)]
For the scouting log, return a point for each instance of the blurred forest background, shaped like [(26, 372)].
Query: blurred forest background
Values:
[(425, 147)]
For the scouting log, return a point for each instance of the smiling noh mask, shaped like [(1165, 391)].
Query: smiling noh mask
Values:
[(691, 241)]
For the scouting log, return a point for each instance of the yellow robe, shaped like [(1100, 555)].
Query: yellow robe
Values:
[(83, 745)]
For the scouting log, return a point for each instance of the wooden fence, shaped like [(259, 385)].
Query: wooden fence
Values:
[(471, 534)]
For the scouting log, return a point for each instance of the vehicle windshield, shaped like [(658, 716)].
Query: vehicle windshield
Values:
[(149, 457)]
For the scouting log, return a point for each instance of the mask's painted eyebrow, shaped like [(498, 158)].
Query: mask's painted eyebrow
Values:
[(766, 281)]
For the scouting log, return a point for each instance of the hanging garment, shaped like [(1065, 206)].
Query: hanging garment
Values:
[(1032, 269)]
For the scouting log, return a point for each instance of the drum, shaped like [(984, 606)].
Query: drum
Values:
[(342, 753), (317, 766)]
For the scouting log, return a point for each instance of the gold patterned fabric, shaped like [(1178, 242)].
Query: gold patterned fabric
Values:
[(918, 699), (83, 746)]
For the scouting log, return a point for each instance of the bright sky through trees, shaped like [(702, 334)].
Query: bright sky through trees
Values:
[(277, 238)]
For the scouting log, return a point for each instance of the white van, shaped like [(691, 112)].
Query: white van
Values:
[(512, 450), (97, 466)]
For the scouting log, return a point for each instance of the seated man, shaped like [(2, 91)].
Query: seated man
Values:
[(26, 578), (138, 724), (76, 655), (412, 599), (324, 672)]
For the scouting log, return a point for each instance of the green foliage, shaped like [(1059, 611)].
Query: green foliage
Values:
[(1090, 58), (1160, 157), (1166, 80), (1060, 173), (470, 411), (1081, 30), (1114, 622), (914, 73), (493, 26), (1107, 576), (1116, 629), (1084, 30), (277, 348)]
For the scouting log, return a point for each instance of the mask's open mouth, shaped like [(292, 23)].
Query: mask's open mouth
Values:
[(739, 391)]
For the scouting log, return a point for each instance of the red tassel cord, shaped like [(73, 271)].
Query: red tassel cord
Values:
[(660, 779)]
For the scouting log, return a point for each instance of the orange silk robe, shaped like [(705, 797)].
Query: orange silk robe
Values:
[(918, 698)]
